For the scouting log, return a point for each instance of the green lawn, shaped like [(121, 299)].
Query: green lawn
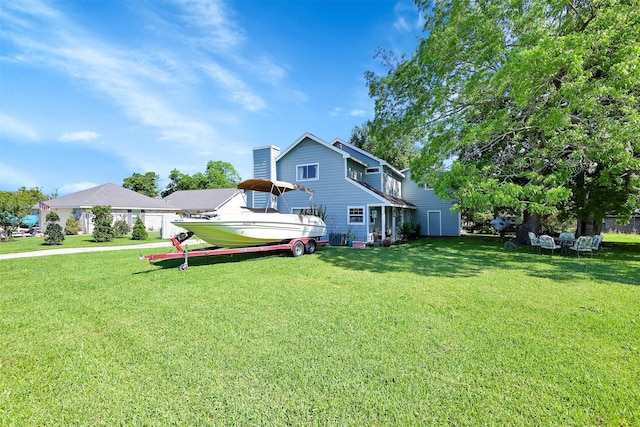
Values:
[(443, 331), (28, 244)]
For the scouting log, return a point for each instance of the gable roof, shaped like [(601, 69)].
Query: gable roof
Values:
[(314, 138), (109, 194), (395, 201), (201, 200), (338, 143)]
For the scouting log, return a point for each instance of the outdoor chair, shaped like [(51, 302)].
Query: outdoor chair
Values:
[(595, 244), (533, 239), (583, 244), (547, 242), (567, 236)]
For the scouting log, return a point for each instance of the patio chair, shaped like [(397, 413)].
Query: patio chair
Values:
[(567, 236), (533, 239), (547, 242), (583, 244), (595, 244)]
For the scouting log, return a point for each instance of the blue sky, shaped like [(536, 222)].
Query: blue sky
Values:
[(92, 91)]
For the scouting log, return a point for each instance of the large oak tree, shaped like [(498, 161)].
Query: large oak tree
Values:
[(537, 103), (218, 174)]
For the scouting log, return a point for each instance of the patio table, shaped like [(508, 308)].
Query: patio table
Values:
[(564, 243)]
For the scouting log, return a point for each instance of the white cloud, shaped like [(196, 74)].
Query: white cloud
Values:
[(237, 91), (357, 112), (407, 17), (336, 111), (83, 135), (12, 127), (219, 32)]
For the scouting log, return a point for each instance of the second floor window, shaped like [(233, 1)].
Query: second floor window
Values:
[(307, 172)]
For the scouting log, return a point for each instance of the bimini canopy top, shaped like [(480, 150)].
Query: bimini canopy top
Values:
[(271, 186)]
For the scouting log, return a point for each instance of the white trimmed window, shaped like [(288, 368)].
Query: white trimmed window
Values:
[(307, 172), (356, 215)]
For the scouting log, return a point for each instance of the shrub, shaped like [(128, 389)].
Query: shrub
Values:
[(139, 230), (410, 231), (71, 227), (53, 234), (102, 218), (120, 228)]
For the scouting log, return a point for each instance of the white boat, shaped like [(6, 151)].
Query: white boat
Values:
[(243, 227)]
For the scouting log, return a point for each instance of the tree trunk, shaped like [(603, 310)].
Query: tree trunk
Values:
[(588, 227), (531, 223)]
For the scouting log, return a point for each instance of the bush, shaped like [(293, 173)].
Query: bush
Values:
[(53, 234), (71, 227), (120, 228), (102, 218), (139, 230), (410, 231)]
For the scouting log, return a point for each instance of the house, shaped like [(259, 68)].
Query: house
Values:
[(610, 224), (362, 194), (126, 204)]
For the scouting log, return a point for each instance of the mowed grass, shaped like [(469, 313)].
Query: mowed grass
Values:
[(444, 331), (36, 243)]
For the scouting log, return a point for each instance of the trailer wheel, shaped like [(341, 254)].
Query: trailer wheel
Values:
[(184, 266), (298, 248), (310, 247)]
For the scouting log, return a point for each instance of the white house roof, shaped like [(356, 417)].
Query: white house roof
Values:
[(201, 200), (112, 195)]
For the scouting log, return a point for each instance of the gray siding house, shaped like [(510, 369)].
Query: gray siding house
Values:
[(125, 204), (156, 214), (362, 194)]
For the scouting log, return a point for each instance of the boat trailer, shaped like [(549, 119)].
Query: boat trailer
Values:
[(297, 247)]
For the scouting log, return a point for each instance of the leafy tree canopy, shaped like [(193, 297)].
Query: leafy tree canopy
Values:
[(396, 152), (15, 205), (217, 175), (146, 184), (537, 104)]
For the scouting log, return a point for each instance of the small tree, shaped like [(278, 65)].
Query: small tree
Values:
[(139, 230), (8, 223), (53, 234), (102, 219), (120, 228), (71, 227)]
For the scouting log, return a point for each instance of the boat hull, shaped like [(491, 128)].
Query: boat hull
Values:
[(244, 230)]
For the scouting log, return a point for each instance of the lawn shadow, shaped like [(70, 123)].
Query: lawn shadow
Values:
[(614, 262), (428, 256), (471, 255)]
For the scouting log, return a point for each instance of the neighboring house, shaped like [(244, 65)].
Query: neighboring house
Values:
[(125, 204), (610, 224), (362, 194)]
